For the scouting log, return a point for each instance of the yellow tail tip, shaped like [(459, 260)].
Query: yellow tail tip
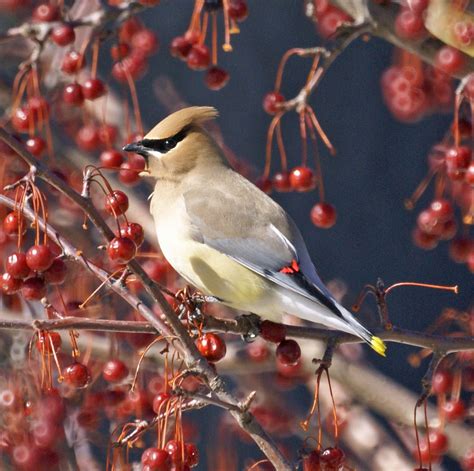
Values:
[(378, 345)]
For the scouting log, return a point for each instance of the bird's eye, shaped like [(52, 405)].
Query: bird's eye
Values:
[(169, 144)]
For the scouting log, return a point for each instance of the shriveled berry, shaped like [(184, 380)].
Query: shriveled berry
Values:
[(211, 346)]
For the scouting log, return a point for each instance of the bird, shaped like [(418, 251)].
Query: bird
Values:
[(226, 237)]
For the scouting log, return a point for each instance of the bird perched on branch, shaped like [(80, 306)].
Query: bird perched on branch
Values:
[(226, 237)]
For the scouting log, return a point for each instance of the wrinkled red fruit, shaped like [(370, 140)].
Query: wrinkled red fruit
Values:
[(212, 347)]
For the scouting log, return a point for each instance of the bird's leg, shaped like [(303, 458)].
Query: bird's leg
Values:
[(250, 325), (190, 303)]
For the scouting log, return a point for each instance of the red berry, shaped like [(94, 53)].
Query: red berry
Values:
[(129, 28), (14, 223), (449, 60), (216, 78), (36, 145), (423, 240), (281, 182), (449, 229), (459, 249), (121, 249), (72, 94), (156, 269), (10, 285), (409, 25), (272, 102), (238, 10), (198, 57), (272, 332), (93, 88), (21, 119), (211, 346), (302, 179), (16, 265), (45, 12), (33, 289), (44, 341), (176, 450), (130, 171), (469, 176), (442, 382), (442, 209), (145, 41), (323, 215), (264, 184), (133, 66), (454, 410), (155, 459), (133, 231), (76, 375), (288, 352), (458, 158), (116, 203), (73, 62), (330, 21), (428, 222), (63, 35), (467, 462), (119, 51), (180, 47), (159, 401), (332, 457), (192, 454), (107, 134), (39, 257), (114, 371), (438, 442), (87, 137), (111, 158), (311, 462)]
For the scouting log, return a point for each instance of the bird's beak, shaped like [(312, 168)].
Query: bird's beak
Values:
[(138, 148)]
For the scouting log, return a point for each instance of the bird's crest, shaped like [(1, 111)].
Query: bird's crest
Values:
[(177, 121)]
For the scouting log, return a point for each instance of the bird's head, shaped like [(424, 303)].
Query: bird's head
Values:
[(178, 143)]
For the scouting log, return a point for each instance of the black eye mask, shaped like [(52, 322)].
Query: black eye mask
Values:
[(164, 145)]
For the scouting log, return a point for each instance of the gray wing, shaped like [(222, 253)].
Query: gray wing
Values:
[(252, 229)]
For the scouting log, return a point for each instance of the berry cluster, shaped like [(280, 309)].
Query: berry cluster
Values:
[(191, 46)]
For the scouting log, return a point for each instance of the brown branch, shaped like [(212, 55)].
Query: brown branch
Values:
[(192, 357)]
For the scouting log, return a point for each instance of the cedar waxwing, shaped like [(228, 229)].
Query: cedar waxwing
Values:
[(226, 237)]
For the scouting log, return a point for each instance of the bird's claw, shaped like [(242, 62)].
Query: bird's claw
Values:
[(251, 323)]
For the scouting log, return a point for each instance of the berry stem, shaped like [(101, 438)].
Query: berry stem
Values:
[(454, 288)]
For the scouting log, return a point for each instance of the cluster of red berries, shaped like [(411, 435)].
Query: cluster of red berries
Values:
[(454, 166), (328, 18), (329, 459), (300, 178), (32, 271), (192, 49), (412, 90), (288, 351), (174, 456), (136, 44), (122, 248)]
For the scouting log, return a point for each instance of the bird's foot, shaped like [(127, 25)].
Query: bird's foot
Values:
[(190, 304), (251, 326)]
